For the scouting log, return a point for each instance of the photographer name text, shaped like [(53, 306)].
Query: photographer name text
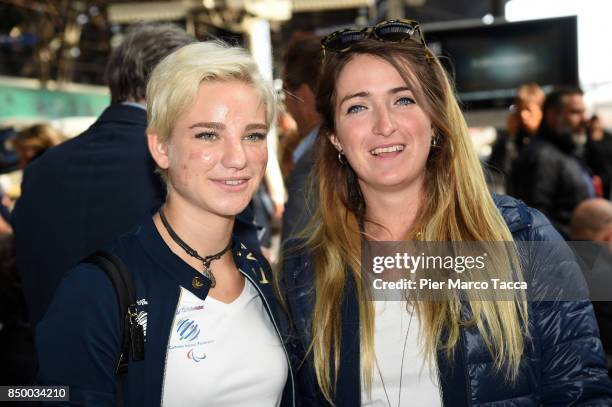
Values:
[(450, 284)]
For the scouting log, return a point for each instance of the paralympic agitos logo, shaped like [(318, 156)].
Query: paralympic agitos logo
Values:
[(193, 356)]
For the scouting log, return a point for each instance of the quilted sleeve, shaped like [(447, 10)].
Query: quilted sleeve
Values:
[(573, 370)]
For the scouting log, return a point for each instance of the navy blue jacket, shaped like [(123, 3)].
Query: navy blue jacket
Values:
[(78, 339), (82, 194), (565, 366)]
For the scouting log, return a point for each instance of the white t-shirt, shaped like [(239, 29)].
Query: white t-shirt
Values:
[(419, 380), (224, 354)]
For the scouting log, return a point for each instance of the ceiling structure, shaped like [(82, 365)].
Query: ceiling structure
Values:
[(68, 41)]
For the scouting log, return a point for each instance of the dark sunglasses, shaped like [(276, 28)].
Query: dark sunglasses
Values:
[(386, 31)]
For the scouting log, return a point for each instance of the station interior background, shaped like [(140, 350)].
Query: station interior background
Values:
[(53, 55)]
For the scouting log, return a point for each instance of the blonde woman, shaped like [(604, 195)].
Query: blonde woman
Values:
[(395, 163), (212, 330)]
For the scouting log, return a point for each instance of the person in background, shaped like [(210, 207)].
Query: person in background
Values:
[(5, 227), (395, 163), (289, 138), (598, 153), (547, 174), (5, 213), (204, 296), (592, 222), (301, 74), (527, 113), (79, 195), (522, 124), (31, 142)]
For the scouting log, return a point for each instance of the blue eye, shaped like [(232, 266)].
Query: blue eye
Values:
[(405, 101), (207, 136), (355, 109), (255, 137)]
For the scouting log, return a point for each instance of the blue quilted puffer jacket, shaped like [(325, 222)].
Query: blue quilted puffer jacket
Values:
[(564, 365)]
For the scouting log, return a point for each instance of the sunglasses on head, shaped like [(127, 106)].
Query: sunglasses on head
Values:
[(386, 31)]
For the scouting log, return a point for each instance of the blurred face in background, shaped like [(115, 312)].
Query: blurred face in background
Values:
[(529, 115), (27, 154), (596, 128), (301, 105), (33, 141), (571, 117), (293, 100)]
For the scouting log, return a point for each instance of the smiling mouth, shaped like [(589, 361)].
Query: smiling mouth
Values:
[(385, 150), (234, 181)]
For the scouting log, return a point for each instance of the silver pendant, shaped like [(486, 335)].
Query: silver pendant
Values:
[(208, 274)]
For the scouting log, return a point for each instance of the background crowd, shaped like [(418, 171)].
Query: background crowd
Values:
[(77, 193)]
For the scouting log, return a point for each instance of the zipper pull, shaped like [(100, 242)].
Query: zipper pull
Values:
[(136, 335)]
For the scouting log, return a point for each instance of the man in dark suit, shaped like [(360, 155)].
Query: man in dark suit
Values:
[(84, 192), (302, 65), (548, 174)]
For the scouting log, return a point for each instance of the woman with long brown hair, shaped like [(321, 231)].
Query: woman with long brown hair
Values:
[(396, 163)]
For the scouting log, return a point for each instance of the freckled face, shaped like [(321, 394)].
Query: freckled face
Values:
[(384, 133), (216, 155)]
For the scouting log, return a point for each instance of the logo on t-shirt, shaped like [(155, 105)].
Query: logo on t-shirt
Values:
[(189, 308), (188, 330), (195, 356)]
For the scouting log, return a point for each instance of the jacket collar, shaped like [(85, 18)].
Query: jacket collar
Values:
[(120, 113), (515, 212), (186, 276)]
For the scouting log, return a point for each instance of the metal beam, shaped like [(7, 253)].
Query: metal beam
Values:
[(150, 11), (301, 6), (395, 9)]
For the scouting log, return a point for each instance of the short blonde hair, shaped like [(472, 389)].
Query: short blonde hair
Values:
[(174, 83)]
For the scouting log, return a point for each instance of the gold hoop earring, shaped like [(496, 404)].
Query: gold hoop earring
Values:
[(434, 140)]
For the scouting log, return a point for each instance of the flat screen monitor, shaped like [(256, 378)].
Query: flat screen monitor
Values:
[(489, 62)]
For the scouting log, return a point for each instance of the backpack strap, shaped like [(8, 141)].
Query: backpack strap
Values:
[(132, 334)]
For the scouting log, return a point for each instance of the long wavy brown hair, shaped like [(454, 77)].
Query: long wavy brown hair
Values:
[(457, 206)]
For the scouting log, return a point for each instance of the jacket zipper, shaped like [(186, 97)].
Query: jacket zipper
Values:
[(468, 392), (161, 402), (269, 310)]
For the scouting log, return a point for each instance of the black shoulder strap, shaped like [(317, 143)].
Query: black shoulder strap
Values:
[(132, 334)]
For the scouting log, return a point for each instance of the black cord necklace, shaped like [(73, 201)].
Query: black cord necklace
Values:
[(206, 260)]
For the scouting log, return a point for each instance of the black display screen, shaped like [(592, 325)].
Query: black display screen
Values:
[(489, 62)]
